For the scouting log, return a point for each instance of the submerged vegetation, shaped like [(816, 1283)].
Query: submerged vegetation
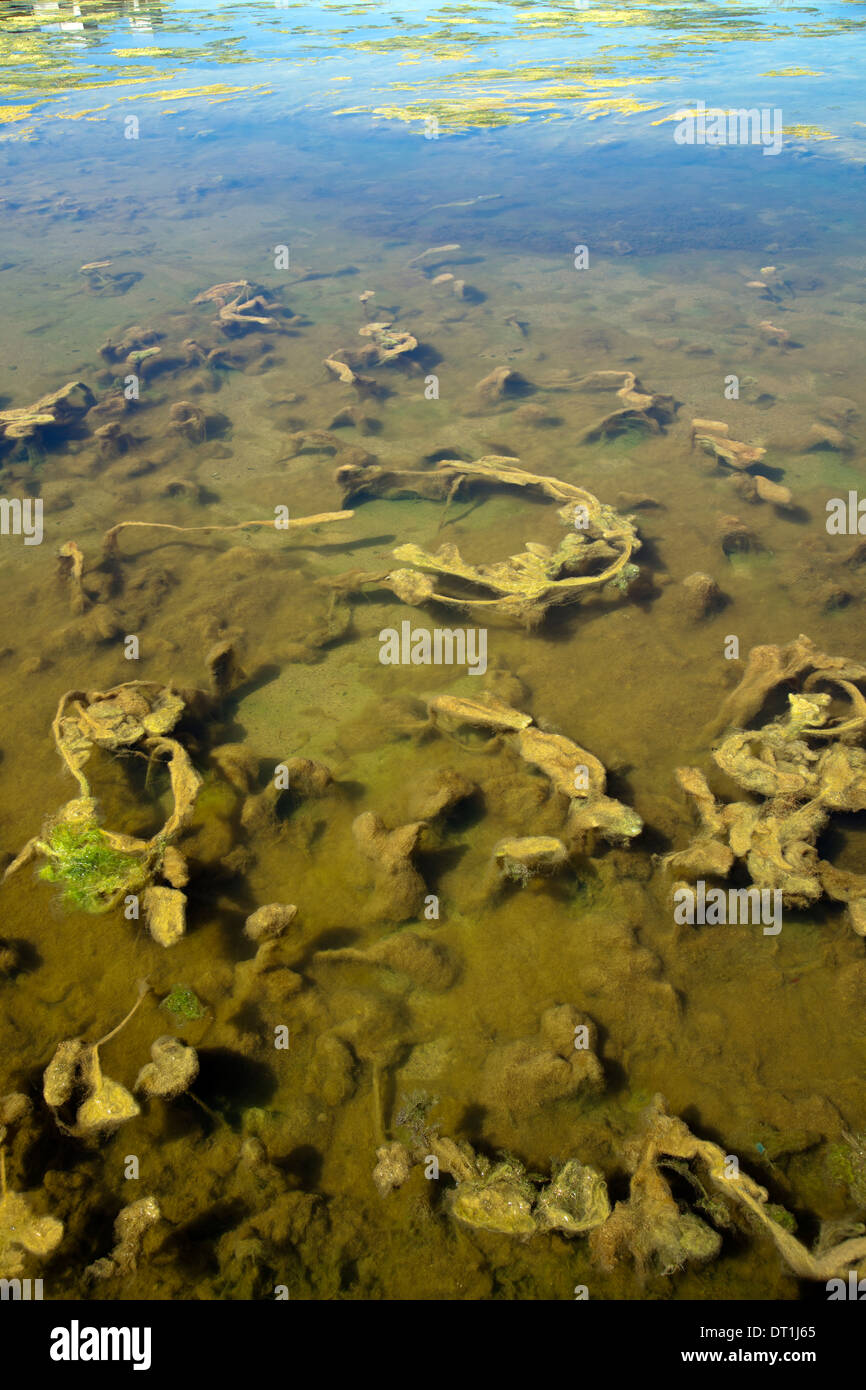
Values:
[(415, 918), (93, 875)]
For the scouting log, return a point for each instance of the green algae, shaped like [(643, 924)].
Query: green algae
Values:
[(183, 1004), (93, 875), (846, 1163)]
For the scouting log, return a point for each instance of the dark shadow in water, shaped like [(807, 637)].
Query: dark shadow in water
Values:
[(435, 863), (262, 676), (798, 515), (441, 455), (27, 957), (465, 815), (332, 939), (472, 1122), (230, 1083), (425, 357), (304, 1164), (190, 1245)]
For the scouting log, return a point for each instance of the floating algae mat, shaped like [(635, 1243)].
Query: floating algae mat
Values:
[(433, 764)]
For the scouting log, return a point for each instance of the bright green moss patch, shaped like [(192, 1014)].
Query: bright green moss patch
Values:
[(93, 874)]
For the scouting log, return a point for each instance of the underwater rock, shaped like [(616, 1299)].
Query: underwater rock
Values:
[(536, 417), (704, 858), (617, 422), (400, 889), (498, 1197), (857, 915), (73, 1081), (165, 914), (520, 1077), (22, 1232), (427, 963), (312, 442), (801, 783), (769, 491), (224, 668), (56, 410), (744, 486), (569, 768), (332, 1074), (74, 1078), (717, 428), (658, 1236), (237, 764), (270, 921), (265, 978), (581, 777), (595, 552), (307, 777), (113, 441), (374, 1026), (15, 1109), (730, 451), (520, 860), (502, 382), (369, 478), (500, 1202), (769, 667), (71, 569), (826, 437), (101, 280), (833, 597), (130, 1227), (341, 370), (845, 887), (387, 345), (189, 421), (735, 537), (172, 1070), (838, 411), (636, 501), (235, 301), (779, 337), (560, 1026), (437, 793), (703, 595), (103, 624), (354, 417), (133, 339), (392, 1168), (573, 772), (574, 1201), (453, 712)]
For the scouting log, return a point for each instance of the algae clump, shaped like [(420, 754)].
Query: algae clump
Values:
[(184, 1003), (93, 874)]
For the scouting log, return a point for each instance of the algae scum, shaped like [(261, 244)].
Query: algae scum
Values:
[(434, 748)]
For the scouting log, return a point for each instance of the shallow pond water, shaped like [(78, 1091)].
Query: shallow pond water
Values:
[(318, 153)]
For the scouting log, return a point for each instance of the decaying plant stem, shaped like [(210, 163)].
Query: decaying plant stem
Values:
[(110, 539)]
